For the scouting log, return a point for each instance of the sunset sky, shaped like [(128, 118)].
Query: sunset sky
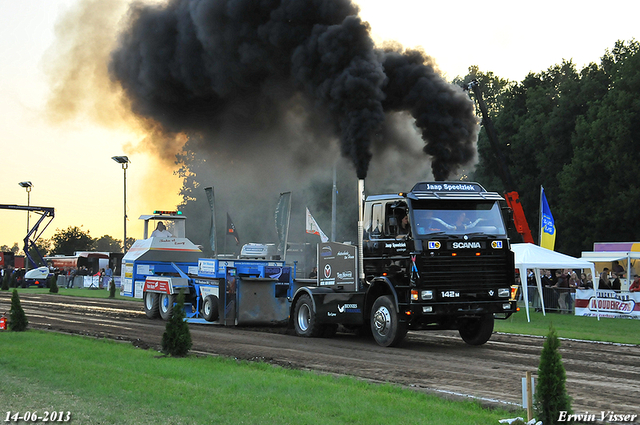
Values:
[(65, 149)]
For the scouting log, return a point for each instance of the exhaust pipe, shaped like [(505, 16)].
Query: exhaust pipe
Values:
[(361, 231)]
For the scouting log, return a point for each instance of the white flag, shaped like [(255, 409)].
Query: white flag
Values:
[(313, 228)]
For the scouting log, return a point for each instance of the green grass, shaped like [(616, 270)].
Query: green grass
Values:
[(106, 382), (623, 331), (77, 292)]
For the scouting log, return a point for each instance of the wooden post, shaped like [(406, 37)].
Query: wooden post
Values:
[(529, 396)]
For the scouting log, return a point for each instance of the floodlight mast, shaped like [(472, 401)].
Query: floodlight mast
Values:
[(27, 185), (124, 161)]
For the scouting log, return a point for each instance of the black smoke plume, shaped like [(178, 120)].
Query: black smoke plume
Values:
[(231, 70)]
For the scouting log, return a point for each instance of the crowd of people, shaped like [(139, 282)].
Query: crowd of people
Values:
[(104, 275), (565, 282)]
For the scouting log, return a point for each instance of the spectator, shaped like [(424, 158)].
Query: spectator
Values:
[(72, 275), (585, 281), (564, 296), (635, 285), (618, 269), (604, 282), (615, 285)]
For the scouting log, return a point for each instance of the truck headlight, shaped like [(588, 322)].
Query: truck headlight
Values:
[(427, 295), (504, 292), (506, 306)]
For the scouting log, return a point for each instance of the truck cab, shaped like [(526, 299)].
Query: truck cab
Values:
[(454, 270)]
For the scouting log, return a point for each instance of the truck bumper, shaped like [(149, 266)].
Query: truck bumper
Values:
[(426, 314)]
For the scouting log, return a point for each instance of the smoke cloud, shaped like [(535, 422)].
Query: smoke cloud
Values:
[(253, 77)]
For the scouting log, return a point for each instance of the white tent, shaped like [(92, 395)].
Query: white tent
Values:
[(530, 256)]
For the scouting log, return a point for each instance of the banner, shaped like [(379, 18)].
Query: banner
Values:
[(313, 228), (283, 212), (212, 233), (607, 303), (231, 229), (547, 225)]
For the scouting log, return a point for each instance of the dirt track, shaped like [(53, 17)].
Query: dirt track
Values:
[(600, 377)]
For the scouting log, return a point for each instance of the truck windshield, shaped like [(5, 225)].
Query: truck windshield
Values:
[(457, 218)]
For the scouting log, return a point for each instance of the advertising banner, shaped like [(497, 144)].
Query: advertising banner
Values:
[(337, 265), (608, 304)]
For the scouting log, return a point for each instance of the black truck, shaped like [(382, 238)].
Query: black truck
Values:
[(451, 269)]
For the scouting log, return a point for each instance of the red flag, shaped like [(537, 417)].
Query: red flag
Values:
[(231, 229)]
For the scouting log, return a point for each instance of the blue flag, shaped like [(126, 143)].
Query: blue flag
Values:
[(547, 225)]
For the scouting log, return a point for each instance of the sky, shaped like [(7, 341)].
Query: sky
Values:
[(64, 144)]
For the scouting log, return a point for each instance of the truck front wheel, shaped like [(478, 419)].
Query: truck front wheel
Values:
[(304, 318), (386, 327), (166, 305), (477, 331), (151, 305)]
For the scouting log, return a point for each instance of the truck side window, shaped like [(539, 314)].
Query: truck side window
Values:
[(376, 221)]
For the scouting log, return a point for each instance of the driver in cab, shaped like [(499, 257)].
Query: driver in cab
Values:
[(404, 229)]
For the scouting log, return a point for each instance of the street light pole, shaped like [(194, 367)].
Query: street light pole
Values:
[(27, 186), (124, 161)]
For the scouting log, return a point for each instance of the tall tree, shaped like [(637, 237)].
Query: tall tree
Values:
[(66, 242), (107, 243), (567, 131), (600, 187)]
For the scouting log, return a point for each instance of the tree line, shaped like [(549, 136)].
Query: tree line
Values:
[(69, 240), (576, 133)]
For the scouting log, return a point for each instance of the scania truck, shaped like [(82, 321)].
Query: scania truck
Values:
[(452, 269)]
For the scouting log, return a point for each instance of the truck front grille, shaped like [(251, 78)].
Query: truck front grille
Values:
[(468, 272)]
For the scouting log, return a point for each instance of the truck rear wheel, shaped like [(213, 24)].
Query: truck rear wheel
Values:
[(477, 331), (166, 305), (210, 308), (304, 318), (151, 305), (386, 327)]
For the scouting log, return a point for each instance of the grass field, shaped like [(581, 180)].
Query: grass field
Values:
[(106, 382), (77, 292), (623, 331)]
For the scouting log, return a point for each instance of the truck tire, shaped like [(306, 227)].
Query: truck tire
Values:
[(210, 308), (304, 318), (386, 327), (477, 331), (166, 305), (151, 305)]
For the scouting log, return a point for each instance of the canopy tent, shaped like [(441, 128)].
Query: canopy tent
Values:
[(611, 256), (530, 256)]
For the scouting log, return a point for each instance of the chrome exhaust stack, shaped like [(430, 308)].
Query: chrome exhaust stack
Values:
[(361, 230)]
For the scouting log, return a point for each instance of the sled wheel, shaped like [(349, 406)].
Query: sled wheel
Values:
[(210, 308), (151, 305), (166, 305)]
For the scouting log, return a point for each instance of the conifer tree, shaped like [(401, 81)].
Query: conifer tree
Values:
[(176, 340), (17, 319), (112, 289), (5, 279), (551, 395), (53, 284)]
